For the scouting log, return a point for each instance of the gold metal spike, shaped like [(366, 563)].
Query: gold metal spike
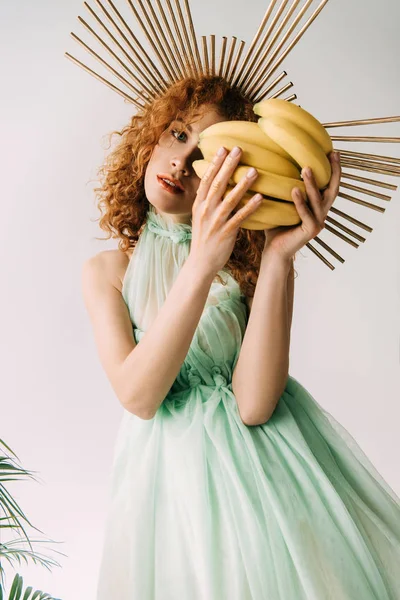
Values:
[(361, 202), (144, 58), (363, 166), (242, 71), (353, 220), (328, 248), (178, 53), (351, 153), (237, 59), (212, 54), (193, 35), (371, 138), (105, 81), (254, 66), (357, 188), (222, 55), (161, 57), (205, 54), (282, 90), (188, 49), (358, 237), (230, 57), (341, 235), (362, 122), (153, 82), (112, 53), (257, 87), (375, 182), (320, 256)]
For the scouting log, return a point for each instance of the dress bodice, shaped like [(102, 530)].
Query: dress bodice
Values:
[(160, 252)]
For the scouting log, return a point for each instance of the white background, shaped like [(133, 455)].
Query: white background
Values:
[(58, 411)]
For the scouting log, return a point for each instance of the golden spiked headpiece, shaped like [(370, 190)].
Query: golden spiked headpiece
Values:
[(170, 31)]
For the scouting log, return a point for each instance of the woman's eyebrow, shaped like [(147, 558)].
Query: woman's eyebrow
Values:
[(182, 121)]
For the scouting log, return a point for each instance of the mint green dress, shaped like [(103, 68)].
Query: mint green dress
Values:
[(203, 507)]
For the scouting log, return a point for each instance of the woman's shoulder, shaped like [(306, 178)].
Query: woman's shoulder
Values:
[(113, 264)]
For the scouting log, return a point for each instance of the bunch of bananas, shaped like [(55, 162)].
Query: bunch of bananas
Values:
[(284, 140)]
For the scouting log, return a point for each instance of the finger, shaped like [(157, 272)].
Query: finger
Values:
[(310, 227), (312, 191), (232, 199), (222, 178), (208, 177), (333, 188), (251, 205)]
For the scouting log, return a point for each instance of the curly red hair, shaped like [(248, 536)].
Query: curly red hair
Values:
[(121, 197)]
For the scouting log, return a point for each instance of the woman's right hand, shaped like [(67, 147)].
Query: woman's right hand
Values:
[(214, 230)]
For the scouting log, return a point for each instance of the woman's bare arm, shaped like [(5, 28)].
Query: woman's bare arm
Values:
[(142, 374)]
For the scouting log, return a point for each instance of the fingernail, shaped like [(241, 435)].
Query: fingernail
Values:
[(235, 151), (251, 172), (221, 151), (307, 171)]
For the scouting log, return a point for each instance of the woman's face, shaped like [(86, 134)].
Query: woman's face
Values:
[(173, 157)]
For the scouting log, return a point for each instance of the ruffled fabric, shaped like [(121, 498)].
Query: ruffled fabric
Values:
[(203, 507)]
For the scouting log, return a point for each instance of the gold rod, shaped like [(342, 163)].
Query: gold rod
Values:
[(320, 256), (253, 72), (191, 63), (254, 42), (341, 235), (110, 68), (230, 56), (222, 55), (212, 54), (357, 188), (363, 167), (205, 53), (290, 98), (349, 138), (358, 237), (290, 47), (169, 72), (250, 68), (145, 57), (93, 53), (178, 53), (362, 122), (157, 87), (368, 156), (362, 202), (353, 220), (329, 249), (274, 83), (376, 182), (378, 168), (193, 36), (182, 51), (113, 54), (372, 163), (157, 39), (100, 78), (237, 59), (282, 90)]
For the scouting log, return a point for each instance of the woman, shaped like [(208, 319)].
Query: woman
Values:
[(229, 480)]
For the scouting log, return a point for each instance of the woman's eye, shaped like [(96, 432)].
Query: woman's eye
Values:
[(179, 133)]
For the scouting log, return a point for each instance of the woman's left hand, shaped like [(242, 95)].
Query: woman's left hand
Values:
[(287, 240)]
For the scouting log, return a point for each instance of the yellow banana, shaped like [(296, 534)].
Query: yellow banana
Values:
[(244, 131), (271, 213), (301, 146), (268, 184), (252, 155), (274, 107)]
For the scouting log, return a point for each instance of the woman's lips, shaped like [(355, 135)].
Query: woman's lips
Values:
[(171, 189)]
